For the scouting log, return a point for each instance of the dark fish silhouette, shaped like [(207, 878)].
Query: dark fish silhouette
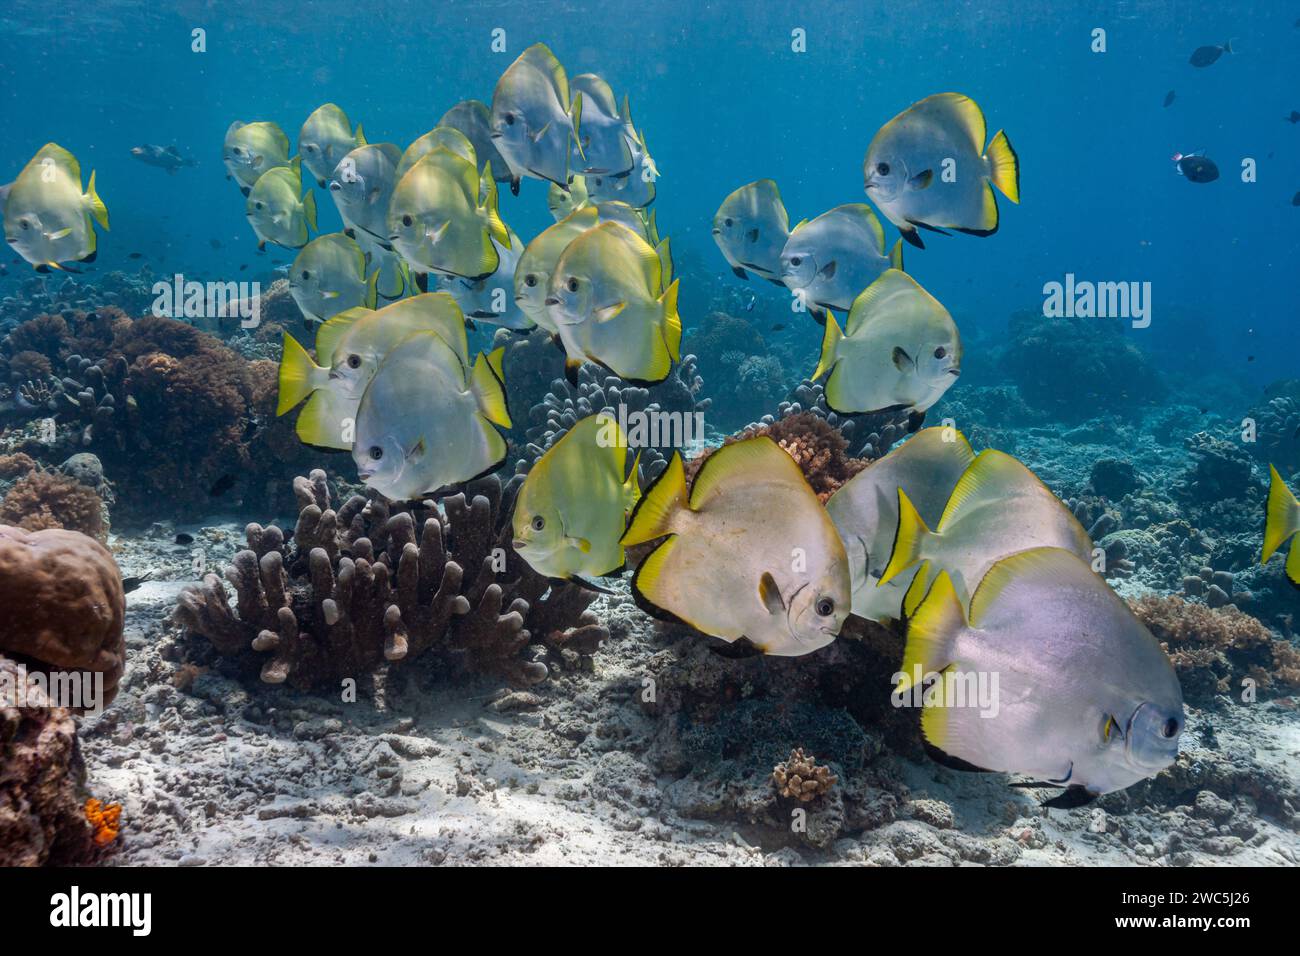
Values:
[(1169, 98), (164, 157), (1196, 169), (136, 255), (1295, 200), (1293, 118), (222, 485), (215, 243), (1204, 56), (184, 538)]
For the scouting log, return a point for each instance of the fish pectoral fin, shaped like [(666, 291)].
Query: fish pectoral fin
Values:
[(435, 235), (608, 312), (740, 273), (752, 235), (537, 137), (58, 234), (770, 595), (582, 544), (922, 180), (902, 361), (417, 450), (828, 271), (330, 295)]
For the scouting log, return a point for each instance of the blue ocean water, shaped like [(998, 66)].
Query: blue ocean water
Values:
[(723, 100)]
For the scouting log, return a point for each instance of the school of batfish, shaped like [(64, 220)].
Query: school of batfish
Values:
[(987, 568)]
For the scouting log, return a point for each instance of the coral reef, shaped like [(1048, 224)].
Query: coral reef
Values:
[(49, 499), (66, 607), (818, 448), (1216, 650), (38, 295), (1277, 426), (800, 778), (1074, 367), (373, 583), (867, 436), (42, 819), (737, 364)]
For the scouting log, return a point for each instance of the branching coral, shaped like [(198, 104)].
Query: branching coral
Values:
[(48, 499), (64, 604), (372, 582), (800, 777), (1277, 426), (1215, 649)]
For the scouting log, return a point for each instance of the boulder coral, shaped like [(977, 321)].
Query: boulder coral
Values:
[(64, 604)]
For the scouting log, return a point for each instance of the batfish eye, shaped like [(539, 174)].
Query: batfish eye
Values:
[(539, 523), (24, 223), (825, 607), (510, 119), (407, 220), (727, 222), (940, 352), (376, 453), (311, 148), (1170, 729), (306, 274), (354, 361), (573, 285), (796, 260), (530, 280), (257, 205), (882, 168)]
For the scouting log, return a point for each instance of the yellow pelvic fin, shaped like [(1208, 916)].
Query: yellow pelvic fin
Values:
[(1293, 563), (361, 136), (488, 385), (917, 590), (831, 336), (491, 216), (321, 420), (296, 369), (908, 539), (931, 632), (309, 209), (1004, 166), (650, 580), (1281, 516), (372, 290), (97, 207), (672, 321), (666, 496), (896, 256)]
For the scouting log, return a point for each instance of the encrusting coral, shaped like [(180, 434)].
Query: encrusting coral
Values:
[(64, 604), (801, 778), (1215, 649), (372, 582), (49, 499)]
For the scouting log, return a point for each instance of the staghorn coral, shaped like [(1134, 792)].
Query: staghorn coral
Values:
[(41, 777), (818, 448), (1215, 649), (800, 778), (65, 604), (48, 499), (373, 582)]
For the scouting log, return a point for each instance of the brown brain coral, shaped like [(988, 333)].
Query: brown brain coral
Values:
[(47, 499), (64, 604)]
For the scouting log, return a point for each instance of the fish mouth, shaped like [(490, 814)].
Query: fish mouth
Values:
[(717, 232), (519, 544), (954, 372), (335, 187), (552, 300), (393, 238), (366, 474), (495, 135)]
